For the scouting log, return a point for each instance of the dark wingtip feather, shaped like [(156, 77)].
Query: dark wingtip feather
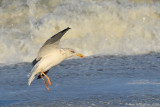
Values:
[(65, 30), (34, 62), (68, 28)]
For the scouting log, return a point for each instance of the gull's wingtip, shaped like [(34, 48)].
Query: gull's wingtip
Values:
[(29, 84), (68, 28), (65, 30)]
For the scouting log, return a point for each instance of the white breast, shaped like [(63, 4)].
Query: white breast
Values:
[(51, 60)]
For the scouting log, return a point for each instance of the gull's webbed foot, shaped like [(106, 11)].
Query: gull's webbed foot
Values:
[(48, 80), (45, 82)]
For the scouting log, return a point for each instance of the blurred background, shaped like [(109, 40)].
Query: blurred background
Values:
[(99, 27)]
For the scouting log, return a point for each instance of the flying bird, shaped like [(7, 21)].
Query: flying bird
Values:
[(49, 55)]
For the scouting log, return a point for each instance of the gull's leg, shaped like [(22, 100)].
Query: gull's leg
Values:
[(48, 80), (45, 82)]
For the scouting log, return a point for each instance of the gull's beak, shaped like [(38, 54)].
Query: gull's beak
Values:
[(80, 55)]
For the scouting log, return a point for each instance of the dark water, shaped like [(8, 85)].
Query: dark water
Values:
[(97, 81)]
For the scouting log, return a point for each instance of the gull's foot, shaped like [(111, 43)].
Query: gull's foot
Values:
[(48, 80), (45, 82)]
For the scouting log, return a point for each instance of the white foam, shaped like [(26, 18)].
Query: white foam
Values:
[(143, 82), (111, 27)]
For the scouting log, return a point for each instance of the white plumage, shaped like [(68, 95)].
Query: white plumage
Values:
[(50, 55)]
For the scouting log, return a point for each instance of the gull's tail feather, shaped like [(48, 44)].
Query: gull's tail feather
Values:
[(32, 74)]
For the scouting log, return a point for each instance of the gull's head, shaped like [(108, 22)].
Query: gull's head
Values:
[(71, 52)]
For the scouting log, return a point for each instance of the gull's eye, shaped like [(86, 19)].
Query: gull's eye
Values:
[(73, 51)]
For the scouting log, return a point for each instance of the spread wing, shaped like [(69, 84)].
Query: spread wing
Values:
[(51, 44)]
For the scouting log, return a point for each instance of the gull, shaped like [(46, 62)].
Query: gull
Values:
[(49, 55)]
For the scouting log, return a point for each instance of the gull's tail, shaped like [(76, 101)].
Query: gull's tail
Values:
[(32, 74)]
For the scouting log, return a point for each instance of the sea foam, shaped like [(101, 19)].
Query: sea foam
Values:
[(105, 27)]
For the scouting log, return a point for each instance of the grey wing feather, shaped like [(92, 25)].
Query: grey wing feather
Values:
[(51, 43), (55, 38)]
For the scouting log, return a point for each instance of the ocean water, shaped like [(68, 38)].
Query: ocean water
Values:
[(119, 38), (97, 81)]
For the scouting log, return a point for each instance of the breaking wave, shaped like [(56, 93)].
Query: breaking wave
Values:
[(99, 27)]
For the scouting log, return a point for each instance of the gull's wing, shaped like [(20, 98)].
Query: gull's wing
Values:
[(51, 44)]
